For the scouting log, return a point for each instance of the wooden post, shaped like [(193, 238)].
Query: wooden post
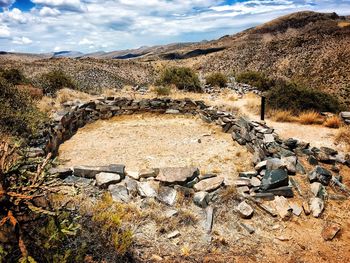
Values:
[(262, 110)]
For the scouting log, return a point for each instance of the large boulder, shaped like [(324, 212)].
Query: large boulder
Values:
[(274, 178), (91, 171), (177, 175)]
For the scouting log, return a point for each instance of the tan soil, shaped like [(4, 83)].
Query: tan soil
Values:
[(150, 141)]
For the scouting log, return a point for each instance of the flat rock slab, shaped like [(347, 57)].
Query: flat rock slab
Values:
[(209, 185), (105, 179), (92, 171), (201, 199), (329, 231), (177, 175)]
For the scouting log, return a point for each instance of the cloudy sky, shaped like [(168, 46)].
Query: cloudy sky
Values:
[(93, 25)]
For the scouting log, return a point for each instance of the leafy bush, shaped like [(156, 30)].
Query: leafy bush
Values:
[(55, 80), (182, 77), (290, 96), (216, 79), (13, 76), (255, 79), (18, 114), (163, 90)]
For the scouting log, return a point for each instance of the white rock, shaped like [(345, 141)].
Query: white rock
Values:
[(245, 210), (106, 179)]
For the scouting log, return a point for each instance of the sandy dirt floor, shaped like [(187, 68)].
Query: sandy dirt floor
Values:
[(155, 141)]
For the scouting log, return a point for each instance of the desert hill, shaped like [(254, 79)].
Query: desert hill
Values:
[(307, 47)]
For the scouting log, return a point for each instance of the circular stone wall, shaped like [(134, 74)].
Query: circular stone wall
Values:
[(153, 141)]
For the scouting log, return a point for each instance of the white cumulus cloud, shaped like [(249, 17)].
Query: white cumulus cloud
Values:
[(47, 11), (21, 40), (4, 31)]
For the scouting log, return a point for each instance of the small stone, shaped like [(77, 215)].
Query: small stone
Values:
[(248, 227), (146, 173), (172, 111), (290, 162), (274, 164), (320, 174), (148, 189), (103, 180), (312, 160), (260, 165), (264, 196), (283, 208), (208, 224), (329, 231), (170, 213), (285, 191), (201, 199), (62, 172), (297, 209), (255, 182), (209, 185), (133, 175), (173, 234), (245, 210), (91, 171), (242, 190), (206, 176), (306, 208), (119, 193), (241, 182), (316, 206), (318, 190), (167, 195), (248, 174)]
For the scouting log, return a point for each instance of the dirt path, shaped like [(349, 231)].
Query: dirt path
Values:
[(150, 141)]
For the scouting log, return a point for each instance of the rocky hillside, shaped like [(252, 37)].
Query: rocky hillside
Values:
[(88, 73), (307, 47)]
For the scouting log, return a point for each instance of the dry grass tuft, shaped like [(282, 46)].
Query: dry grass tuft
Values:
[(343, 137), (228, 194), (310, 117), (333, 122), (282, 115), (253, 103), (65, 95)]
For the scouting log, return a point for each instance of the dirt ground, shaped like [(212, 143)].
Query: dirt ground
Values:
[(155, 141)]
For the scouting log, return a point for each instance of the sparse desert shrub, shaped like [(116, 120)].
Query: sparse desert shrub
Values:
[(253, 103), (282, 115), (18, 114), (162, 90), (290, 96), (216, 79), (183, 78), (333, 122), (343, 137), (55, 80), (13, 76), (310, 117), (255, 79)]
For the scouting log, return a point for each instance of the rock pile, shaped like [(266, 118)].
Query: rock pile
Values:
[(276, 161)]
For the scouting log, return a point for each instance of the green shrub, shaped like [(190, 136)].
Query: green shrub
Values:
[(163, 90), (18, 114), (55, 80), (13, 76), (255, 79), (182, 77), (290, 96), (216, 79)]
